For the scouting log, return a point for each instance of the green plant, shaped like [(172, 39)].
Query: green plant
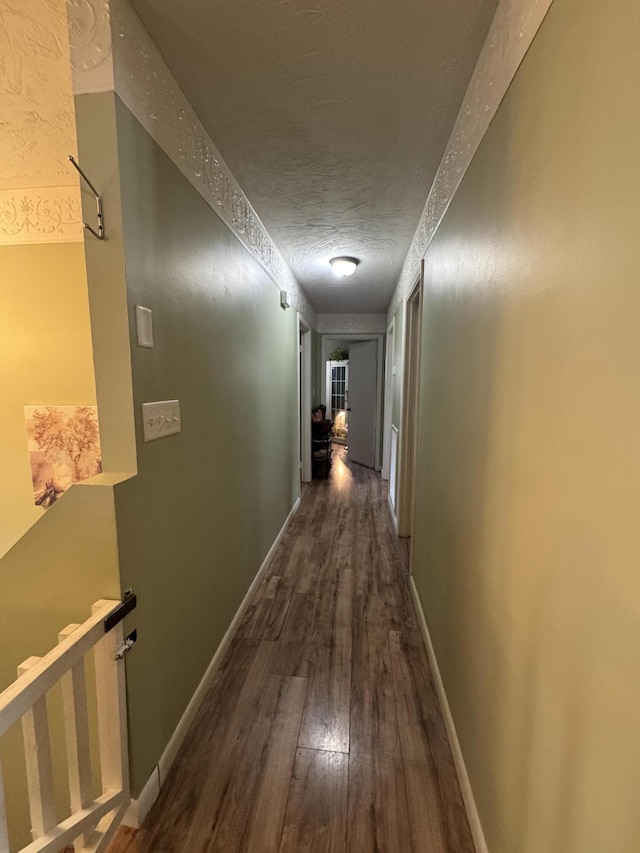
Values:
[(339, 354)]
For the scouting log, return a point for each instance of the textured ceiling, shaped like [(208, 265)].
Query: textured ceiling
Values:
[(37, 126), (332, 114)]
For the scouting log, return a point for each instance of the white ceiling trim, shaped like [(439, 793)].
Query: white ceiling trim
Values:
[(90, 42), (512, 30), (39, 191), (46, 215), (146, 85), (352, 324)]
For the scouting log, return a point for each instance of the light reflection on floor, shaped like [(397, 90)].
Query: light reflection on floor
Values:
[(340, 472)]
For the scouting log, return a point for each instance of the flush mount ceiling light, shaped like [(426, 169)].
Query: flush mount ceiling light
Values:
[(343, 266)]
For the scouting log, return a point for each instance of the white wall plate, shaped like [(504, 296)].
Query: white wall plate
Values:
[(144, 326), (161, 419)]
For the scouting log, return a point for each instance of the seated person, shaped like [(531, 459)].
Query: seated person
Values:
[(320, 426), (320, 441)]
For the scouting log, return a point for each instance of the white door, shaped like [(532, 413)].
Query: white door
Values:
[(363, 362), (337, 381)]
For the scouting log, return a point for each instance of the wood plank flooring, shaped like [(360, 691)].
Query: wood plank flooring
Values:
[(322, 730)]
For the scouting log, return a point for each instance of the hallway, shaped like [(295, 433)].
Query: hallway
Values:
[(321, 731)]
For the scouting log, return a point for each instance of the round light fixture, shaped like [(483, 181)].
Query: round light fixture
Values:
[(343, 266)]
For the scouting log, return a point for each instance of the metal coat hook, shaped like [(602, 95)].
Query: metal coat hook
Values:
[(99, 234)]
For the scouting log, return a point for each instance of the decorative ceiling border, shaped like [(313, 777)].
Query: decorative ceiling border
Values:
[(145, 84), (512, 30), (90, 46), (352, 324), (42, 215)]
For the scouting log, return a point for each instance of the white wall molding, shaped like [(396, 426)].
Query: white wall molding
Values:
[(39, 195), (512, 30), (46, 215), (141, 807), (352, 324), (456, 751), (143, 81), (90, 44)]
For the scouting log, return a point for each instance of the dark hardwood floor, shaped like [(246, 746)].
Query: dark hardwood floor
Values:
[(322, 731)]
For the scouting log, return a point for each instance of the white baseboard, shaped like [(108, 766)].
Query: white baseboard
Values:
[(141, 807), (393, 514), (458, 758)]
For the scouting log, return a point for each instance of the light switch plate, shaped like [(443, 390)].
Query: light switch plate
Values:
[(161, 419), (144, 326)]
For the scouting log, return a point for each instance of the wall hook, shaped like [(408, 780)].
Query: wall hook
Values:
[(99, 234)]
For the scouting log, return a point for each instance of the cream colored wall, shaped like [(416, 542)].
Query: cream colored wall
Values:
[(45, 358), (197, 522), (60, 565), (98, 152), (50, 578), (526, 547), (54, 563)]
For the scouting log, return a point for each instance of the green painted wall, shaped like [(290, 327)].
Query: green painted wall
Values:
[(526, 547), (197, 522)]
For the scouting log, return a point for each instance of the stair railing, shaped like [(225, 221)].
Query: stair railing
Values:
[(93, 819)]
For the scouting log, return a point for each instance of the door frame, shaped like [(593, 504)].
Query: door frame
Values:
[(389, 388), (410, 402), (330, 336), (304, 398)]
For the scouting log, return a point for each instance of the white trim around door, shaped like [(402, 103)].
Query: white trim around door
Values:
[(304, 337)]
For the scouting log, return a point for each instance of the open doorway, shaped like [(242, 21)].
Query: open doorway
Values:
[(337, 394), (359, 421)]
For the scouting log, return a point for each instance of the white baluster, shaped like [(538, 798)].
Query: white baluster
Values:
[(76, 720), (35, 732), (4, 833), (112, 717)]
